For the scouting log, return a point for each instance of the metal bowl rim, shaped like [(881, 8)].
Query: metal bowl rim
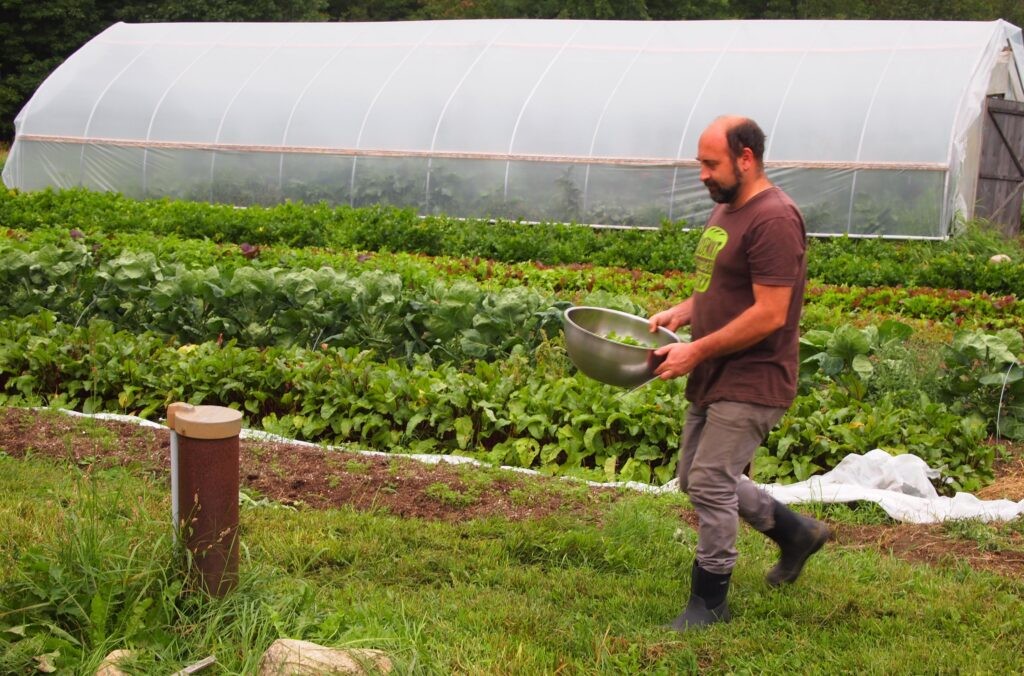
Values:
[(661, 329)]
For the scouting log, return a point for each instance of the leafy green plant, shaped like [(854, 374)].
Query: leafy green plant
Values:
[(984, 376), (825, 425), (844, 354), (859, 389), (261, 326), (375, 228)]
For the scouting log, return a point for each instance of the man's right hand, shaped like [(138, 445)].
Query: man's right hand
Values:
[(672, 318)]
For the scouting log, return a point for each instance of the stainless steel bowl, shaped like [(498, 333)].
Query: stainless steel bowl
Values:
[(607, 360)]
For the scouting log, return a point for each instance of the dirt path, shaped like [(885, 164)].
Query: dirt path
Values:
[(312, 478)]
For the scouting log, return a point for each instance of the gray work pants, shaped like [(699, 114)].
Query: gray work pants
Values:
[(718, 442)]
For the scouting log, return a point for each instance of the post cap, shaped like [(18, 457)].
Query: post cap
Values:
[(204, 422)]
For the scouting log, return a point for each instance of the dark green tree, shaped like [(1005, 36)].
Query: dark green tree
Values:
[(373, 10), (216, 10), (923, 10), (37, 35)]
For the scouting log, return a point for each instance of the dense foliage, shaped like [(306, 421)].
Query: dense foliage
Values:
[(464, 355), (451, 308), (530, 409), (961, 263), (274, 306)]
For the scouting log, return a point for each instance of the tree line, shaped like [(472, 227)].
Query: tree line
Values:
[(37, 35)]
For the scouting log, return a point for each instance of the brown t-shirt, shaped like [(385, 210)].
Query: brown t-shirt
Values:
[(762, 242)]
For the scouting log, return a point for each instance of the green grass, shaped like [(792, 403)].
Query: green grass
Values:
[(449, 496), (87, 565)]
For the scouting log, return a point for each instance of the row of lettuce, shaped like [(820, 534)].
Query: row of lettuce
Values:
[(960, 263), (392, 351)]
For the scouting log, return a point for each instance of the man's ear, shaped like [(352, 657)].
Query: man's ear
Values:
[(747, 157)]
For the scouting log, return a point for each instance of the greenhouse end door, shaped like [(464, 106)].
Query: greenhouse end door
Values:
[(1001, 178)]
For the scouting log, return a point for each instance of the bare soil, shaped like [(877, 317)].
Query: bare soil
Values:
[(311, 477)]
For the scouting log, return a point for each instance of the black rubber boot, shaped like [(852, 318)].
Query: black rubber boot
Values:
[(798, 538), (707, 603)]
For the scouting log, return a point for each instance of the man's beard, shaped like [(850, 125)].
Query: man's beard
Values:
[(721, 194)]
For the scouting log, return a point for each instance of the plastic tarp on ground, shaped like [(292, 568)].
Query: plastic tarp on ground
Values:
[(870, 124), (900, 485)]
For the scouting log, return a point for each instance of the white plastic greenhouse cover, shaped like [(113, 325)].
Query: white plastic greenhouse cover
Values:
[(873, 127)]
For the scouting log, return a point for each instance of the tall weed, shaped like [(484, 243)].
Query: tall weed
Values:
[(111, 577)]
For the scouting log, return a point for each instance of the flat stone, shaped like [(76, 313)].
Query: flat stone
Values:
[(108, 667), (292, 657)]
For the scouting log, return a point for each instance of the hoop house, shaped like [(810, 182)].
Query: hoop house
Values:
[(873, 127)]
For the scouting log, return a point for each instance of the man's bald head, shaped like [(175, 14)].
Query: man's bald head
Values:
[(731, 157), (740, 132)]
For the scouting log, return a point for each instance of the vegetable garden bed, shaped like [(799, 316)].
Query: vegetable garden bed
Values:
[(403, 351)]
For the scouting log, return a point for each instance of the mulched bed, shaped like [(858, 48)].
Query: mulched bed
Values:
[(302, 475)]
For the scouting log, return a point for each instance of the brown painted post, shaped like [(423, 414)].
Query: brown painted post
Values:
[(204, 475)]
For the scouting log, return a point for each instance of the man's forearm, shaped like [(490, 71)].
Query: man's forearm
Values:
[(751, 327)]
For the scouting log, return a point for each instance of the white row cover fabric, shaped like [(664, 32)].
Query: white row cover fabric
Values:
[(900, 485), (868, 123)]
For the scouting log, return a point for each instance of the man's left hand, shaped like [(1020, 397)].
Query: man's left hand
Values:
[(680, 359)]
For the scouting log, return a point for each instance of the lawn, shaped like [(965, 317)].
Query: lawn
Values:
[(472, 570)]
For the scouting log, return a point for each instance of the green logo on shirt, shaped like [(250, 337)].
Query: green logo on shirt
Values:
[(711, 243)]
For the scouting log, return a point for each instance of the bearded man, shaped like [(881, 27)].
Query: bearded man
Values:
[(742, 364)]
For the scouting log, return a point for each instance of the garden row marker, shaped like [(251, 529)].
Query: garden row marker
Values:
[(204, 489)]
